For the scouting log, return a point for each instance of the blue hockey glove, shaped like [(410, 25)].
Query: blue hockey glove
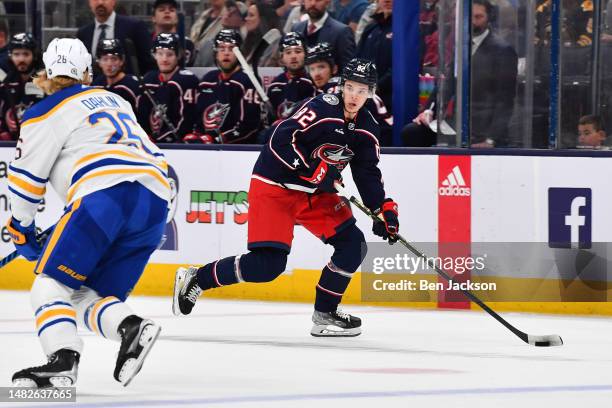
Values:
[(389, 226), (322, 175), (24, 239)]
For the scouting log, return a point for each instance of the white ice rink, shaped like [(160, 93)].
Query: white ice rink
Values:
[(252, 354)]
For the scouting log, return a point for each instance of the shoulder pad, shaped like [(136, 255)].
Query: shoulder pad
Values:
[(331, 99)]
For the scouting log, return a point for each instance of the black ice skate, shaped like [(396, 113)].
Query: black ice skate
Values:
[(138, 336), (60, 371), (186, 290), (335, 324)]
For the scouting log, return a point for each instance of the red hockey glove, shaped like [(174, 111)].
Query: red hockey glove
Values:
[(322, 175), (389, 225), (192, 138)]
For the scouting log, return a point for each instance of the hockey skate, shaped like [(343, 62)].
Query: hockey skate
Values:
[(60, 371), (335, 324), (138, 336), (186, 290)]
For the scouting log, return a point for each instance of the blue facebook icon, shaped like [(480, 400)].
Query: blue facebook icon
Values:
[(569, 217)]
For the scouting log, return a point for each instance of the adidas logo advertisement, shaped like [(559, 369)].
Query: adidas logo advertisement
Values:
[(454, 185)]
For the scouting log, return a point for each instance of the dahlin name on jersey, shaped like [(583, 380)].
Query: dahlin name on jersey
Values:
[(97, 101)]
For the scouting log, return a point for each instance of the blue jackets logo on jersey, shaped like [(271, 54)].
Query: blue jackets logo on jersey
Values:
[(215, 115), (569, 217), (334, 154)]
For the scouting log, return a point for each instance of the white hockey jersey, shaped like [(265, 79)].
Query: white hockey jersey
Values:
[(82, 140)]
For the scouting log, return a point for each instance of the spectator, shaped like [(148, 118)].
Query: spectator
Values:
[(494, 71), (349, 12), (165, 20), (206, 27), (4, 38), (591, 133), (167, 105), (229, 108), (364, 21), (19, 93), (233, 18), (259, 20), (108, 24), (376, 46), (321, 27), (110, 56), (296, 14)]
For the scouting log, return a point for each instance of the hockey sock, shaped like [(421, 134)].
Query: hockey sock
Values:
[(55, 315), (331, 288), (104, 315), (259, 265)]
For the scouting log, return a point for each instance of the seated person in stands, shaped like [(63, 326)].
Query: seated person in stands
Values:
[(591, 134), (110, 57)]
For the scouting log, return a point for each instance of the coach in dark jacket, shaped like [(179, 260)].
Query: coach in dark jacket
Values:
[(108, 24), (321, 27), (494, 71)]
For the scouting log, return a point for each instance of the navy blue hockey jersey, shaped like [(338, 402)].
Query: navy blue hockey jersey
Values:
[(318, 130), (374, 105), (175, 99), (228, 108), (286, 91), (128, 88), (16, 97)]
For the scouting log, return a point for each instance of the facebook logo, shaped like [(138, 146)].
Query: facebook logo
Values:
[(569, 217)]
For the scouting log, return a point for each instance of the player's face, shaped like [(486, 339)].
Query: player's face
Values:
[(166, 60), (320, 72), (252, 19), (111, 65), (588, 136), (22, 59), (293, 58), (355, 95), (225, 57), (165, 16)]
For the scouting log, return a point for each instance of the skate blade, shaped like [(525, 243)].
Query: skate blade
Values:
[(57, 382), (179, 280), (24, 383), (61, 381), (334, 331), (132, 366)]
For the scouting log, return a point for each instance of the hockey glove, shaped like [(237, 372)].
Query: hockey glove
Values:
[(192, 138), (389, 225), (322, 175), (24, 239)]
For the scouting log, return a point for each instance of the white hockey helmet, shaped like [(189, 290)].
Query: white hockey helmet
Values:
[(67, 57)]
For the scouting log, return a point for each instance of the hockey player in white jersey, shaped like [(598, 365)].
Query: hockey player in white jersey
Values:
[(87, 144)]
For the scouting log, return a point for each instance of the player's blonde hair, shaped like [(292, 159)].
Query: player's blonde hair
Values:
[(50, 86)]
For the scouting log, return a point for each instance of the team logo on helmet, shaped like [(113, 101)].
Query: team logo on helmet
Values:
[(331, 99), (215, 115), (334, 154)]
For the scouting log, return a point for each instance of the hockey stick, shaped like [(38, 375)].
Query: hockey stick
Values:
[(249, 71), (540, 341), (267, 39), (131, 51), (13, 255)]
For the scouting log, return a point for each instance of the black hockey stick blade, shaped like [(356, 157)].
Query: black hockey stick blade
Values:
[(550, 340)]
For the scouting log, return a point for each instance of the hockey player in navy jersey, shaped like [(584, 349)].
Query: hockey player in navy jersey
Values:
[(293, 181), (110, 56), (323, 69), (293, 85), (86, 143), (166, 105), (229, 108), (18, 91)]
